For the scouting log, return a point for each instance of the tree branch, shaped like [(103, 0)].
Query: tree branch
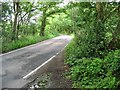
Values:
[(27, 13), (108, 15), (55, 11)]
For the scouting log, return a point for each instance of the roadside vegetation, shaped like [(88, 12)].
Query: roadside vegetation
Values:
[(93, 56), (25, 23)]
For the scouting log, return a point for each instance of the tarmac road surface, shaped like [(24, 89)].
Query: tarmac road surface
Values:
[(20, 62)]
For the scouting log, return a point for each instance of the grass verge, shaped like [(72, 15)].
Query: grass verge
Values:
[(25, 41)]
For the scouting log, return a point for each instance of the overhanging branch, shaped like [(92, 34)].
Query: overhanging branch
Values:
[(108, 15)]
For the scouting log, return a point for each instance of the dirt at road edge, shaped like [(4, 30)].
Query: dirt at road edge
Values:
[(53, 77), (57, 78)]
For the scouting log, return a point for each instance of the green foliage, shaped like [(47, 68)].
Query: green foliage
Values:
[(51, 32), (107, 82), (93, 56), (29, 21), (92, 61), (112, 60), (24, 41), (94, 72), (61, 23), (93, 36)]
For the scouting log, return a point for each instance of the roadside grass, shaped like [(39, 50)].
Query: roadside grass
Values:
[(25, 41)]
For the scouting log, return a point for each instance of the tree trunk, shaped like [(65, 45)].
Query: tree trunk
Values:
[(99, 10), (43, 24), (118, 25), (17, 32), (116, 34), (99, 23), (99, 29), (16, 9)]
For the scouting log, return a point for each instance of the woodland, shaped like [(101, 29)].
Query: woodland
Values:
[(93, 55)]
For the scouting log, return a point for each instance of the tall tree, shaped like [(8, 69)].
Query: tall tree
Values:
[(16, 13), (99, 26), (43, 23), (48, 9), (116, 34)]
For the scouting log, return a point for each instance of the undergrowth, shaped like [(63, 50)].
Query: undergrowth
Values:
[(25, 41), (92, 72)]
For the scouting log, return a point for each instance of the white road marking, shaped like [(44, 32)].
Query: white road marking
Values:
[(26, 76), (38, 67)]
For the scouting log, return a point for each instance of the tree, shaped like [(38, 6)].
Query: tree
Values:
[(115, 42), (48, 9), (16, 13), (43, 23), (99, 26)]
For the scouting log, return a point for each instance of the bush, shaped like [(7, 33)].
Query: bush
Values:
[(107, 82), (112, 60), (24, 41), (93, 72)]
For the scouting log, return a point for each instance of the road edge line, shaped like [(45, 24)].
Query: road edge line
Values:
[(29, 74), (38, 67)]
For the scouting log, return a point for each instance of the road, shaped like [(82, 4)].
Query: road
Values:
[(18, 63)]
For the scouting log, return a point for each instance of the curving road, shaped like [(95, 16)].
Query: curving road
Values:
[(18, 63)]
